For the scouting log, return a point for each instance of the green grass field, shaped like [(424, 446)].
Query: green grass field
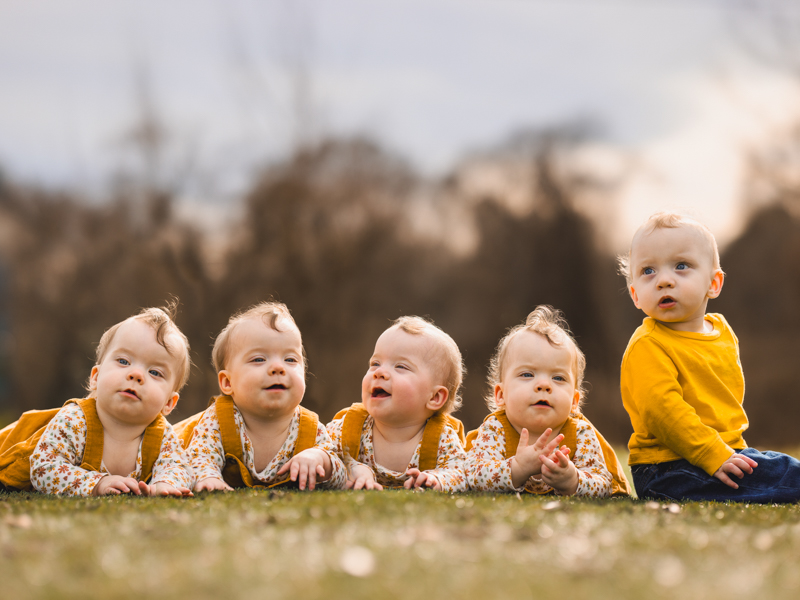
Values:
[(393, 544)]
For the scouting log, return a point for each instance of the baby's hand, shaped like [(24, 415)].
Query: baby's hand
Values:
[(163, 488), (306, 466), (526, 462), (559, 472), (737, 464), (212, 484), (417, 480), (117, 484), (361, 477)]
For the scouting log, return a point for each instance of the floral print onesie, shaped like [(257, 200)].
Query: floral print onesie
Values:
[(207, 456), (489, 470), (449, 459), (55, 464)]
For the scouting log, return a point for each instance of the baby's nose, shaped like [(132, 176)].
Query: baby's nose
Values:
[(276, 367)]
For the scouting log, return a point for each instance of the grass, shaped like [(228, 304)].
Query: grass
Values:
[(393, 544)]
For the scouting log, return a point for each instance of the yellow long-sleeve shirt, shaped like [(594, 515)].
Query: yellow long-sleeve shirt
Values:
[(683, 392)]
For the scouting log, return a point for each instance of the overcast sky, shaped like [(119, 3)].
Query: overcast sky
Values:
[(238, 81)]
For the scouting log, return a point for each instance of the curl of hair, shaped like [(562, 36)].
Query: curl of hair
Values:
[(451, 364), (269, 312), (549, 323), (162, 320), (667, 220)]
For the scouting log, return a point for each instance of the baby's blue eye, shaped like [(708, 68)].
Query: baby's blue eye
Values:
[(291, 359), (155, 373), (402, 367), (526, 374), (123, 361), (559, 378), (682, 266), (258, 359), (648, 270)]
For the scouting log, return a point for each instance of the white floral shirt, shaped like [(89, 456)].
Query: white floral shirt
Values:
[(449, 457), (207, 455), (55, 464), (488, 469)]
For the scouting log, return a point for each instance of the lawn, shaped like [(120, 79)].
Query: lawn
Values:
[(289, 544)]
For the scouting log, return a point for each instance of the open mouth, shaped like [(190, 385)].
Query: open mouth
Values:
[(666, 302), (277, 386), (542, 403), (379, 393), (130, 392)]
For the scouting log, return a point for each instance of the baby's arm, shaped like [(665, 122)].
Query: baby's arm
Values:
[(651, 380), (206, 453), (55, 462), (586, 474), (172, 474), (448, 476), (357, 475)]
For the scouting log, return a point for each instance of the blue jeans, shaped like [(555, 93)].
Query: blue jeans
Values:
[(775, 479)]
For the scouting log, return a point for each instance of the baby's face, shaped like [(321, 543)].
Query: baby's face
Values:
[(265, 373), (136, 379), (673, 276), (402, 385), (538, 388)]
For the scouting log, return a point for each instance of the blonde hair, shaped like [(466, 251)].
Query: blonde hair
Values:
[(161, 319), (667, 220), (450, 361), (269, 313), (550, 324)]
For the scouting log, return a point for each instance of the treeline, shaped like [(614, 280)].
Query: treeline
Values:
[(333, 232)]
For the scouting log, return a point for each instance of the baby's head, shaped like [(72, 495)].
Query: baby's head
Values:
[(536, 373), (416, 371), (141, 365), (672, 269), (260, 361)]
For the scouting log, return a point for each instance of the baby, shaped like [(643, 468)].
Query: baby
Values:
[(682, 381), (402, 434), (116, 440), (536, 376), (256, 434)]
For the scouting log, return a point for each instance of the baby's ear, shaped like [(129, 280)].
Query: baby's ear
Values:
[(499, 401), (93, 378), (576, 401), (439, 398), (717, 280), (172, 402), (224, 382), (634, 296)]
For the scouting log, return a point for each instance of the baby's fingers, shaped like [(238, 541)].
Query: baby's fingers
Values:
[(301, 475), (751, 464), (561, 457), (726, 480), (286, 466), (541, 441), (523, 438), (552, 446), (130, 484), (733, 469)]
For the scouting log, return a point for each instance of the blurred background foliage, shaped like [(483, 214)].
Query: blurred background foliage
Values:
[(350, 237)]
